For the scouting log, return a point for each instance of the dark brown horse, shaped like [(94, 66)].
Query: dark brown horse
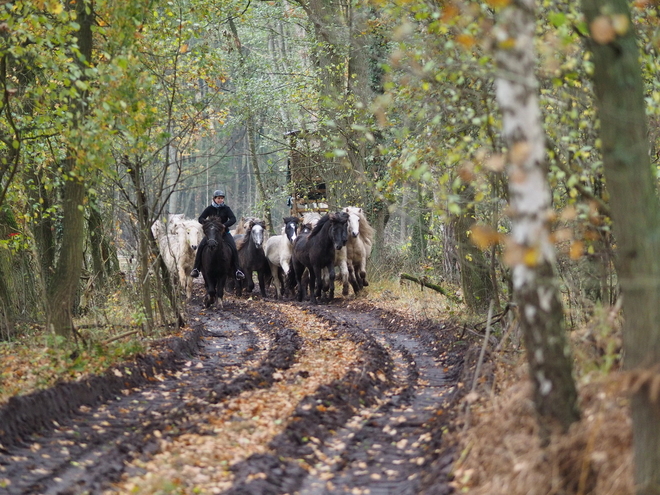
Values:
[(216, 261), (317, 251), (252, 258)]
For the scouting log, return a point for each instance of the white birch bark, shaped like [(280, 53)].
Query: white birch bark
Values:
[(530, 250)]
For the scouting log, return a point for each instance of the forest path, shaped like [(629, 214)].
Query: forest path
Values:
[(280, 398)]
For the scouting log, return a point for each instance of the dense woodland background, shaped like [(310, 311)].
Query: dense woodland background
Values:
[(116, 114)]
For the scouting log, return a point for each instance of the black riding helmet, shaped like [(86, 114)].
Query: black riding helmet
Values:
[(218, 192)]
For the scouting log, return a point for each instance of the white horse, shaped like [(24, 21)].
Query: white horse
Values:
[(177, 246), (278, 251), (166, 225), (193, 231), (342, 261), (359, 244)]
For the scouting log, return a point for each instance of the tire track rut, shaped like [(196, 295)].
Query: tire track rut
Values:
[(385, 448), (86, 451)]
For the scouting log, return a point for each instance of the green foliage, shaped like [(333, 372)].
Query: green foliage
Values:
[(442, 124), (172, 84)]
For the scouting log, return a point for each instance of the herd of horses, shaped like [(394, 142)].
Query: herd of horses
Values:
[(302, 261)]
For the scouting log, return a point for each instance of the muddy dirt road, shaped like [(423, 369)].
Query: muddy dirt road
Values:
[(371, 422)]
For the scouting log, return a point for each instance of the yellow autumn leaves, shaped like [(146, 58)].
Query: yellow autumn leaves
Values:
[(484, 237)]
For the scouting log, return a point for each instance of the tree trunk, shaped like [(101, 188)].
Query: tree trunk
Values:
[(379, 217), (43, 230), (95, 231), (530, 251), (476, 281), (450, 262), (420, 229), (61, 291), (8, 279), (263, 199), (343, 62), (64, 284), (144, 246), (636, 214)]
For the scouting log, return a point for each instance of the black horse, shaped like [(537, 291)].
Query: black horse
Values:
[(316, 251), (216, 260), (252, 258)]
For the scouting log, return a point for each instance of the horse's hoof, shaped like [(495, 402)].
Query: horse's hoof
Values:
[(365, 283)]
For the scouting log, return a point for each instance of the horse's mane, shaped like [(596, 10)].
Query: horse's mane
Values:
[(317, 228), (310, 216), (209, 221), (367, 232), (243, 225), (246, 236), (242, 241)]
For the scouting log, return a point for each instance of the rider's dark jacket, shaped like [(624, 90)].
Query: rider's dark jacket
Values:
[(223, 211)]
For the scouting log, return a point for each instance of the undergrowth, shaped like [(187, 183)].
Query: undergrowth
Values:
[(498, 437), (112, 333), (105, 336)]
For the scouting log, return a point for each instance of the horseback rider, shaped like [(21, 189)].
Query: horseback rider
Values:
[(218, 208)]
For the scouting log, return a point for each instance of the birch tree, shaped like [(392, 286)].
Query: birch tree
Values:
[(530, 251)]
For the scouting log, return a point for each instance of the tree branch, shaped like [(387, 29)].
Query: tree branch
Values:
[(424, 283)]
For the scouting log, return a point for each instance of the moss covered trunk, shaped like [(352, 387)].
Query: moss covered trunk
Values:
[(635, 211)]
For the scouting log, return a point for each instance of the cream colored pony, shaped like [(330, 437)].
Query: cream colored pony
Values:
[(177, 245), (358, 246)]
